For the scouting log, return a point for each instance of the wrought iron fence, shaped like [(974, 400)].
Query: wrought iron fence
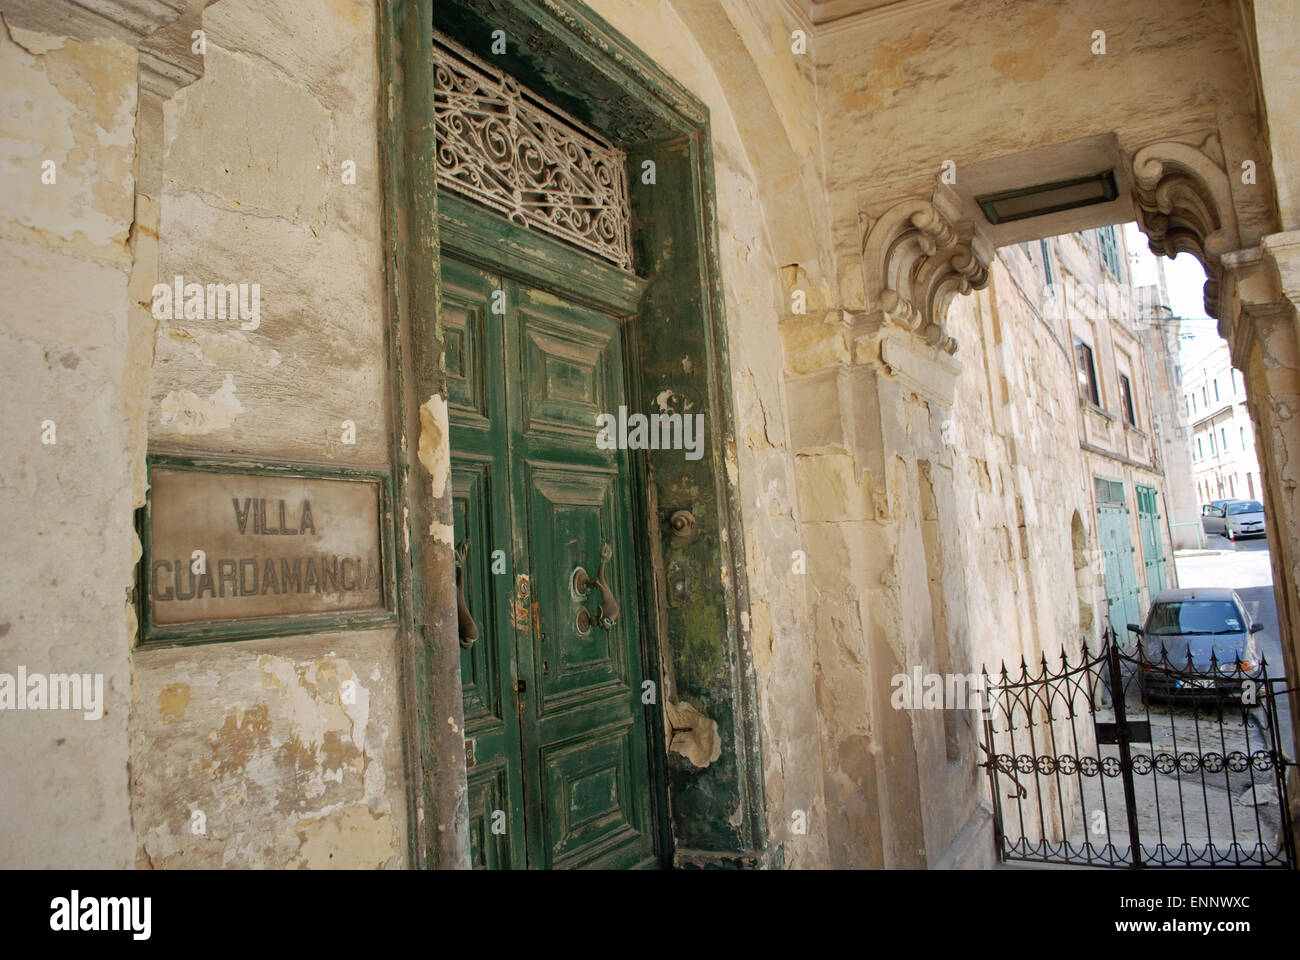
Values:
[(1114, 759)]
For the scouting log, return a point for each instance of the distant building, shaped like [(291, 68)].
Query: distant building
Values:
[(1223, 438), (1160, 331), (1119, 372)]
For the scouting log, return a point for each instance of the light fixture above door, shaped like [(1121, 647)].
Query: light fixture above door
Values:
[(1026, 202)]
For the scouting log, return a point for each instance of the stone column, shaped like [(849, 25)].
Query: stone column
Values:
[(868, 391), (1261, 294)]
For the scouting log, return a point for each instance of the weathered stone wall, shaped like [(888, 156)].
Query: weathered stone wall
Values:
[(1174, 434), (258, 735), (1021, 475), (1276, 36), (66, 503)]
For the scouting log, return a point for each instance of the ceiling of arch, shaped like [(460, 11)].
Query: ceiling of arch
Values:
[(827, 11)]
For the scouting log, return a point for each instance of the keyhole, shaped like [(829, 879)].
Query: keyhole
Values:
[(546, 668)]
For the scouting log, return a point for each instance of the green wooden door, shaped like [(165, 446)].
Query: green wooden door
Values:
[(1153, 552), (560, 773), (1122, 591)]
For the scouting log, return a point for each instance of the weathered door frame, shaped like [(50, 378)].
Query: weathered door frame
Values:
[(716, 814)]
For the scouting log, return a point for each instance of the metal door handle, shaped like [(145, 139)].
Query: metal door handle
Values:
[(608, 611), (468, 628)]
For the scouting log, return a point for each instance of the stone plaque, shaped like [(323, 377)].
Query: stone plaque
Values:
[(272, 546)]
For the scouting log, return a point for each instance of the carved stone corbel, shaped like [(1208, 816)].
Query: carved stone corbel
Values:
[(915, 261), (1184, 205)]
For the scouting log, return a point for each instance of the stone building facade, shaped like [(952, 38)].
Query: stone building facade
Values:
[(1222, 441), (1162, 335), (567, 654)]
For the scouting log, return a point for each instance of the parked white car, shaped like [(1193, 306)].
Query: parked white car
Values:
[(1214, 516), (1244, 518)]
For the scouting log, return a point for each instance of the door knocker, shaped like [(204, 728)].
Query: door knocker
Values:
[(608, 611), (465, 619)]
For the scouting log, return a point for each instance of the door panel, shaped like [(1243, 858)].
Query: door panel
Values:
[(489, 793), (1121, 580), (573, 515), (481, 679), (561, 736), (584, 732), (1153, 554), (592, 810), (481, 507), (567, 377)]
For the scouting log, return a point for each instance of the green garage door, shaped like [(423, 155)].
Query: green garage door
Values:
[(1153, 548), (1117, 551)]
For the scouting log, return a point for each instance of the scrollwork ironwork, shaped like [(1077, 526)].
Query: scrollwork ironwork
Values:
[(504, 147)]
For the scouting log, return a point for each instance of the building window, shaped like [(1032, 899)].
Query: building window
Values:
[(1047, 263), (1212, 451), (1200, 450), (1250, 484), (1205, 396), (1126, 397), (1232, 372), (1243, 437), (1087, 371), (1223, 435), (1108, 491), (1232, 485), (1110, 251), (1216, 389)]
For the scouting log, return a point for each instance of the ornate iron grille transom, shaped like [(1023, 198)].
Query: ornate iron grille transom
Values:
[(503, 146)]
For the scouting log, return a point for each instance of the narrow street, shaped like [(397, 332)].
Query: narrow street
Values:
[(1204, 789), (1244, 566), (1188, 806)]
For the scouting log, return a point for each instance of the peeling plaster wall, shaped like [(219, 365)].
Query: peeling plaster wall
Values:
[(286, 755), (66, 507), (290, 765)]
